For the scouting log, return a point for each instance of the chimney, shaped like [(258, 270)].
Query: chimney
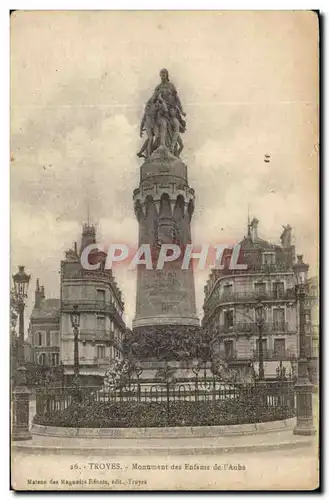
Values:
[(39, 294), (253, 229)]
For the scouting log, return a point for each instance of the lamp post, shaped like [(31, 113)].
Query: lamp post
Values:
[(259, 310), (195, 369), (303, 386), (75, 321), (21, 399), (138, 371)]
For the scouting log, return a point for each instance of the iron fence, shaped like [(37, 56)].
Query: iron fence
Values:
[(208, 402)]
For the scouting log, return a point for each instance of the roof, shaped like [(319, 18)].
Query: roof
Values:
[(49, 308), (247, 243)]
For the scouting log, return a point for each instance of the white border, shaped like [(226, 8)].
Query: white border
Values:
[(322, 5)]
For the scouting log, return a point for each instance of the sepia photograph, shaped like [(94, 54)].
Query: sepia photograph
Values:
[(164, 250)]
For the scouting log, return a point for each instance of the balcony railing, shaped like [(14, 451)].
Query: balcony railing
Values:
[(85, 335), (86, 305), (252, 328), (100, 336), (311, 329), (255, 268), (230, 355), (228, 296), (255, 354), (271, 355), (48, 348)]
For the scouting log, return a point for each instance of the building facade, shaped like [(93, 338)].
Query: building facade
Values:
[(312, 325), (101, 308), (44, 329), (231, 297)]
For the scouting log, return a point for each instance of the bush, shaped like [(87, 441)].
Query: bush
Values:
[(155, 414)]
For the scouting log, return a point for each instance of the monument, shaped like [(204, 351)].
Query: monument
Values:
[(165, 321)]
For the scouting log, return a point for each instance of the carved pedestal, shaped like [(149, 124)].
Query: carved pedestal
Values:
[(304, 394), (20, 414)]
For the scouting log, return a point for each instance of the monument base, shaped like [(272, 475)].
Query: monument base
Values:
[(174, 321), (166, 342)]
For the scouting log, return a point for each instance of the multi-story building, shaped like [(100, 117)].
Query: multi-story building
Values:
[(232, 294), (312, 324), (44, 329), (101, 308)]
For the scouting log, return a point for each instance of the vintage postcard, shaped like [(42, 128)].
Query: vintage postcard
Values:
[(164, 250)]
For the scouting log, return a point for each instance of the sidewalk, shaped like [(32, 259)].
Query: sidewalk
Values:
[(178, 446)]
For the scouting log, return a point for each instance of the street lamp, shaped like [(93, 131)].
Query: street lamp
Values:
[(303, 386), (21, 400), (259, 311), (75, 321), (138, 370)]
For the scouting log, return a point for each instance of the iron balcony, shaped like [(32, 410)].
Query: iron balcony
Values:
[(253, 328), (271, 355), (246, 296), (93, 306)]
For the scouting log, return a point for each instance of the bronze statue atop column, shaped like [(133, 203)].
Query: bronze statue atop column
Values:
[(163, 119)]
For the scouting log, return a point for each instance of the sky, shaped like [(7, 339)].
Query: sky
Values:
[(248, 82)]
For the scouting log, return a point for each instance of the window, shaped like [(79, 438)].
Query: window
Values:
[(228, 349), (42, 359), (101, 323), (228, 319), (101, 352), (268, 259), (278, 289), (264, 344), (278, 319), (55, 359), (48, 338), (279, 347), (55, 338), (227, 289), (165, 307), (39, 339), (260, 288), (100, 295)]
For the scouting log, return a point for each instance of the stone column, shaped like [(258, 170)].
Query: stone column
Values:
[(164, 204), (303, 387)]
